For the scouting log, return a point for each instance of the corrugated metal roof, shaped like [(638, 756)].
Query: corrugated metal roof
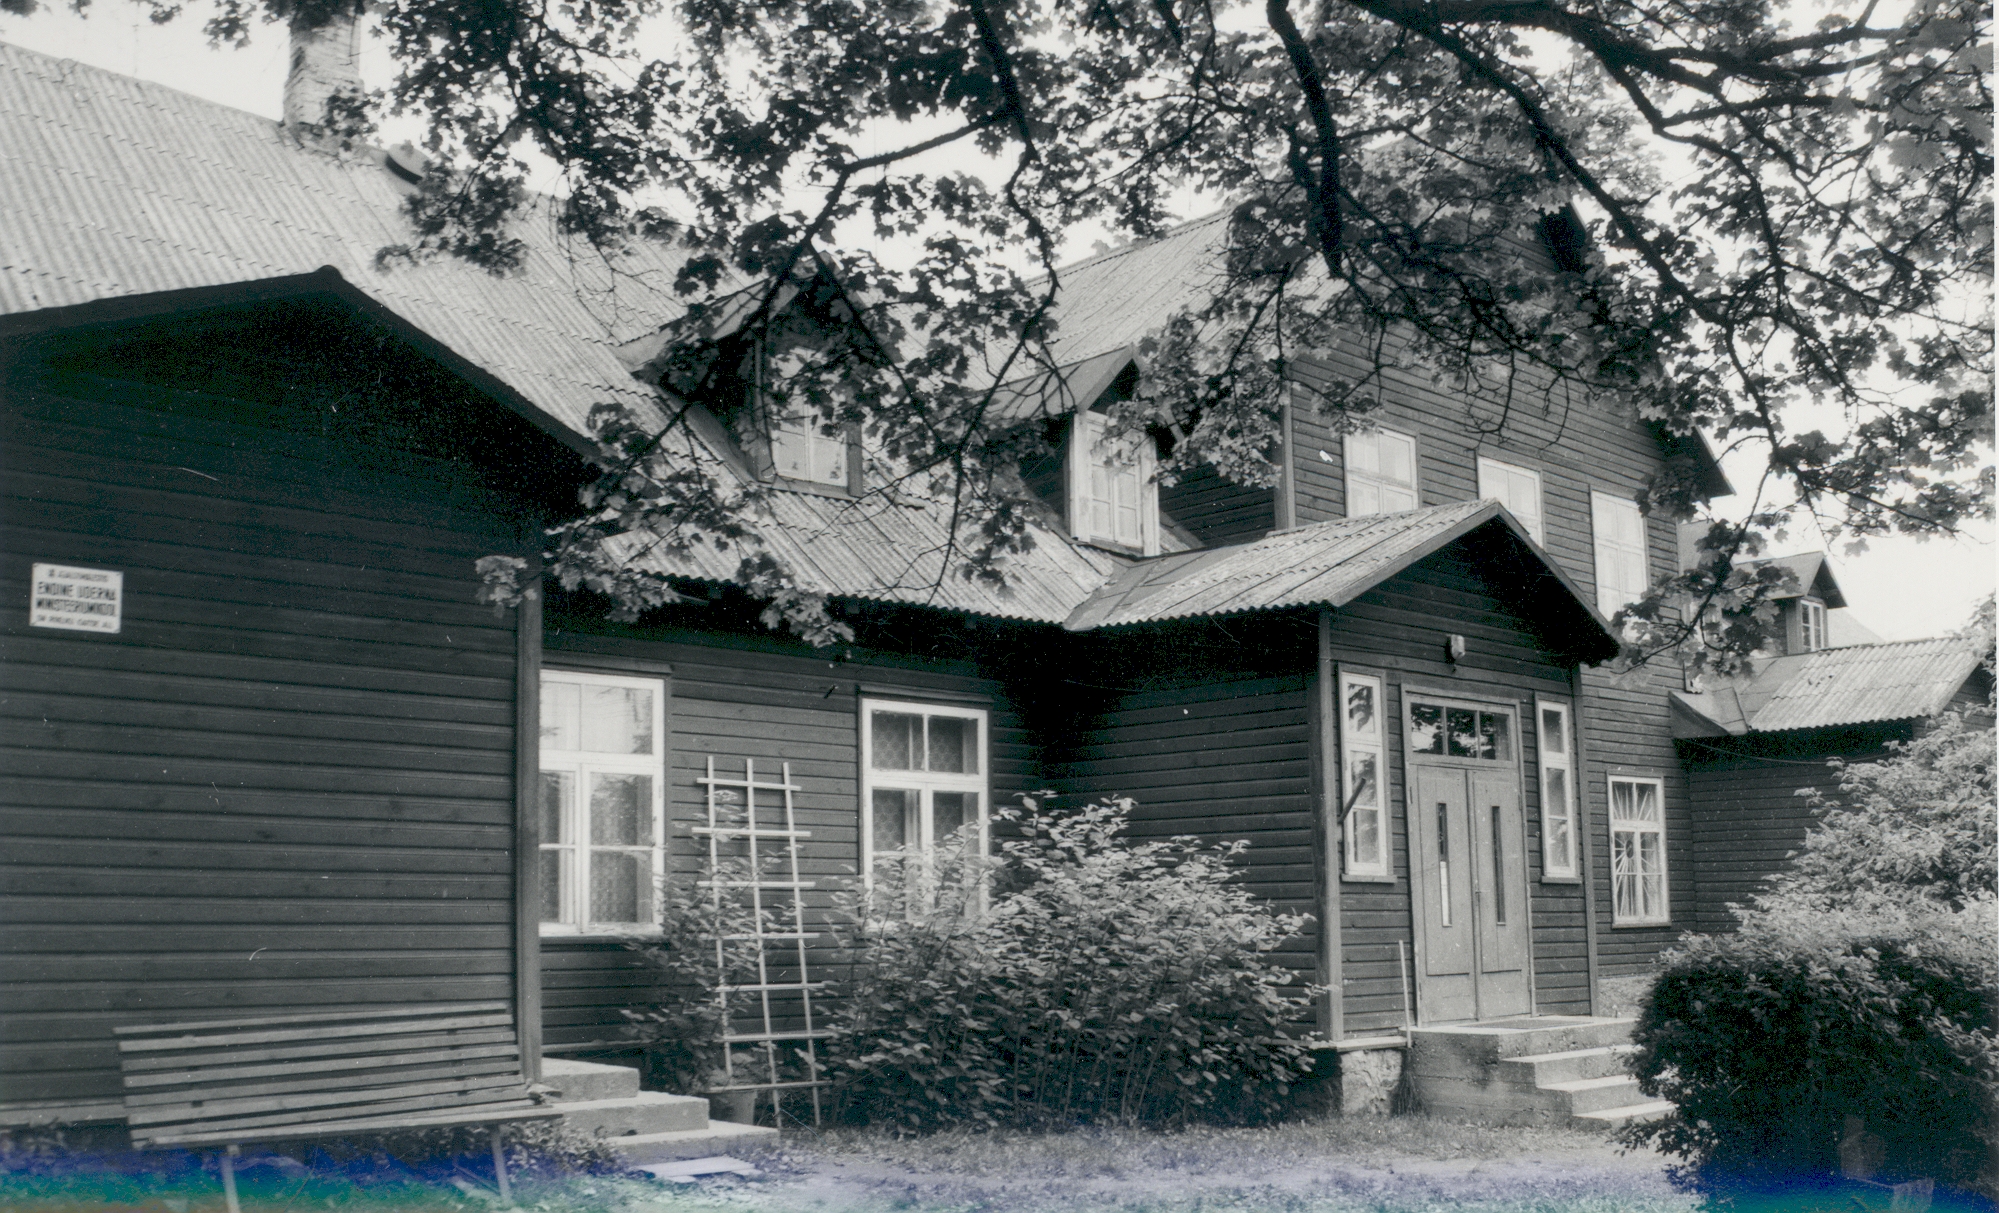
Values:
[(115, 187), (1327, 564), (1866, 683), (1115, 299)]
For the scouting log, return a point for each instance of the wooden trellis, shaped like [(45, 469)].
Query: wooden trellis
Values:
[(785, 892)]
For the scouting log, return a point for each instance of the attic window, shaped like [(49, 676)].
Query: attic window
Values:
[(1112, 496), (801, 451), (1811, 625)]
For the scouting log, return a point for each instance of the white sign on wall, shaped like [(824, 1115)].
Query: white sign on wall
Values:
[(76, 600)]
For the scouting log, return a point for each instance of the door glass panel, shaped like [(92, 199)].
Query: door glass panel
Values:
[(558, 799), (1426, 728), (621, 810), (1461, 728), (617, 882), (898, 741), (954, 745), (1495, 736), (1444, 861), (1498, 869)]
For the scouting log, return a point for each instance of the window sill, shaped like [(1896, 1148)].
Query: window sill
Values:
[(1638, 924), (606, 935), (1367, 878), (1571, 880), (814, 487)]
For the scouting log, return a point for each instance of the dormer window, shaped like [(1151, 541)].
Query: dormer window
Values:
[(801, 451), (1113, 499), (1811, 625)]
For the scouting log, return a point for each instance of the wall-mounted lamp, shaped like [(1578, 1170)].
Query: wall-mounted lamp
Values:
[(1455, 649)]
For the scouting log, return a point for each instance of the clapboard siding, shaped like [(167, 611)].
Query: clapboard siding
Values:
[(288, 782), (1216, 511), (1752, 807), (742, 697)]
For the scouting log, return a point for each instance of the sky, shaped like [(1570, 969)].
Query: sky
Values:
[(1902, 588)]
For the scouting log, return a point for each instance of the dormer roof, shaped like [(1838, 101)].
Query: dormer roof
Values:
[(1811, 576)]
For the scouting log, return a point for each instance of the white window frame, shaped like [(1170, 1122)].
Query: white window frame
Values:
[(573, 878), (1365, 447), (1811, 625), (1357, 744), (924, 783), (818, 457), (1558, 855), (1096, 465), (1623, 567), (1627, 837), (1519, 490)]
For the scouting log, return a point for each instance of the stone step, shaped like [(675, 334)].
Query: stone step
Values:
[(584, 1080), (720, 1137), (1541, 1069), (1598, 1094), (637, 1115), (1617, 1118), (1457, 1049)]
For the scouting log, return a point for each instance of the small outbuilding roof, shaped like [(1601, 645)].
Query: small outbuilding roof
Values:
[(1832, 688)]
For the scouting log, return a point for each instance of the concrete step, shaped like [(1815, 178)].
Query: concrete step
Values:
[(720, 1137), (1617, 1118), (1445, 1049), (583, 1080), (1599, 1094), (637, 1115), (1541, 1069)]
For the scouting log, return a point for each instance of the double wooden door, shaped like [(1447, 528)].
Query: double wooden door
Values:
[(1473, 951)]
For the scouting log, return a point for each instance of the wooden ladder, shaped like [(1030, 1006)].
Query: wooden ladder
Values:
[(786, 891)]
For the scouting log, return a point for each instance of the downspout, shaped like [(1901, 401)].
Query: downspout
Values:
[(1325, 780), (1584, 815)]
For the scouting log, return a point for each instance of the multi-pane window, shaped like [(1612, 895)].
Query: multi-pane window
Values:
[(1381, 473), (1622, 574), (1460, 732), (603, 801), (1811, 625), (1111, 491), (801, 452), (1363, 776), (1558, 789), (923, 778), (1637, 851), (1516, 488)]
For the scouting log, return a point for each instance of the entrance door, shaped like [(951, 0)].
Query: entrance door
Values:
[(1470, 886)]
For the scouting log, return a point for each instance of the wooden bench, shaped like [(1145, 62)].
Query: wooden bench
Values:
[(230, 1082)]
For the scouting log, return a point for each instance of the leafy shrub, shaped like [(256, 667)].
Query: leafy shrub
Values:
[(1769, 1038), (1077, 977)]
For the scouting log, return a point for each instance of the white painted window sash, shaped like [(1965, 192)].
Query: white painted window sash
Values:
[(575, 852), (1638, 881), (1363, 775), (924, 784), (1113, 488), (1623, 571), (1555, 745), (1516, 488), (799, 451), (1381, 473)]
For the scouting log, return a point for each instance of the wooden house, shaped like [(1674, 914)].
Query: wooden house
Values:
[(1756, 748), (301, 765)]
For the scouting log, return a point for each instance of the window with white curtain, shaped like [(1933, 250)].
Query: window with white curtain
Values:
[(1637, 851), (1363, 776), (923, 779), (1516, 488), (1623, 574), (1558, 789), (1112, 497), (1381, 473), (603, 802)]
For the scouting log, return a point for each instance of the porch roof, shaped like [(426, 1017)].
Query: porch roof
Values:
[(1861, 684)]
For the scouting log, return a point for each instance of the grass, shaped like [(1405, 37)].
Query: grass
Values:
[(1358, 1165)]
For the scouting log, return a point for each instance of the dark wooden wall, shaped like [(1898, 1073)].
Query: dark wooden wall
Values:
[(288, 781), (735, 696)]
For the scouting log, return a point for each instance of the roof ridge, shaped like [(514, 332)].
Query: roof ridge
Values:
[(1135, 246)]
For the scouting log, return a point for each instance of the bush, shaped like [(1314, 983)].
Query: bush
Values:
[(1769, 1038), (1078, 977)]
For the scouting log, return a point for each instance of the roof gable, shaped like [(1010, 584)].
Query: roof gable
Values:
[(1812, 573)]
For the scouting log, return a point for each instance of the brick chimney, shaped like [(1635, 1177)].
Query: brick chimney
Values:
[(325, 59)]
